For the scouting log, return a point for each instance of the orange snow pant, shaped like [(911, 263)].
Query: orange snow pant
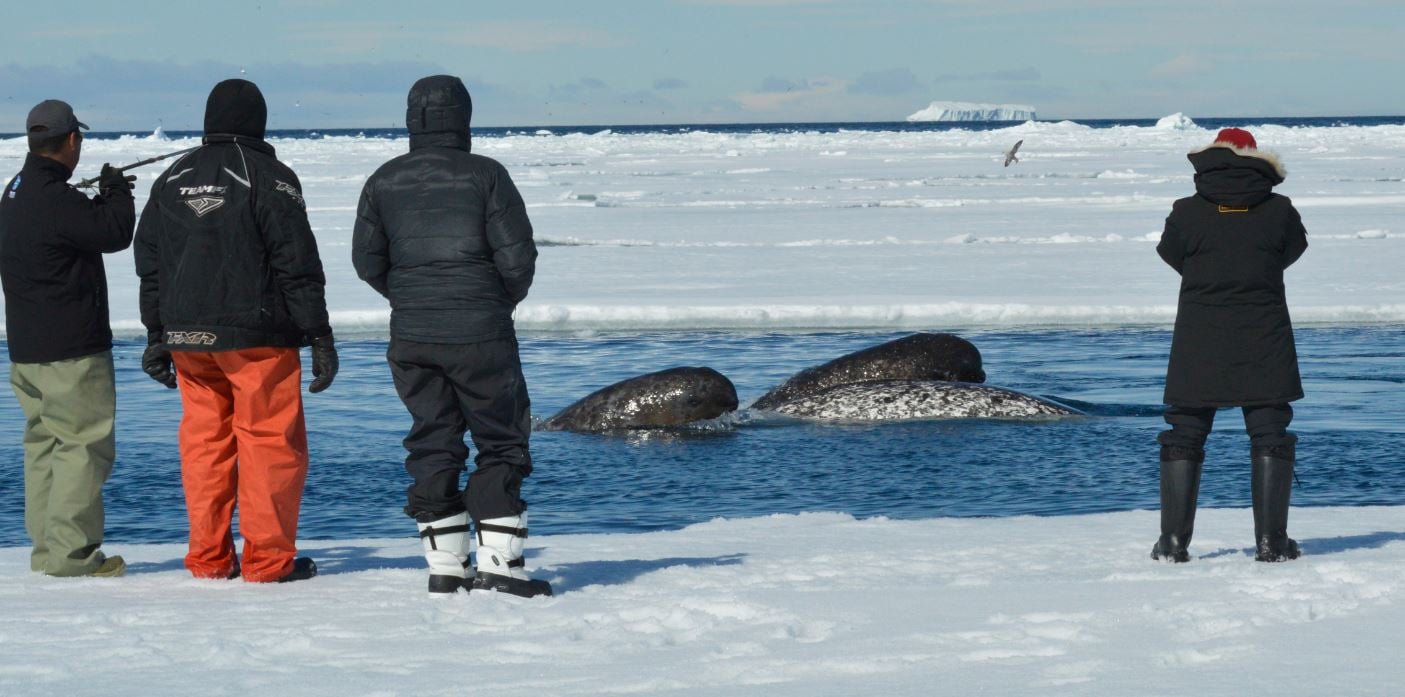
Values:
[(242, 439)]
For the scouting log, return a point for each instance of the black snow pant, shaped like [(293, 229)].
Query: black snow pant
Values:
[(1190, 426), (451, 389)]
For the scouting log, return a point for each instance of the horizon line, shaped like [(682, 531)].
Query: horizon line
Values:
[(704, 124)]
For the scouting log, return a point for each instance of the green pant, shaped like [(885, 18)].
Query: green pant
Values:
[(69, 408)]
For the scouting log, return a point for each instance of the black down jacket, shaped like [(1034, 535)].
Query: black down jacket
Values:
[(1233, 344), (442, 232), (226, 256)]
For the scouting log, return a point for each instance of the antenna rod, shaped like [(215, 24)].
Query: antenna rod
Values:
[(91, 182)]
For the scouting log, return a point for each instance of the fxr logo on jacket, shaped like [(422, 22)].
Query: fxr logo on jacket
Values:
[(191, 338), (290, 190)]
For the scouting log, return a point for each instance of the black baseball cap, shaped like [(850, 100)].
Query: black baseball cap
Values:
[(52, 117)]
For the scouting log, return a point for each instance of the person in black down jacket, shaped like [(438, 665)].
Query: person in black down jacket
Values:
[(1233, 343), (231, 287), (444, 235)]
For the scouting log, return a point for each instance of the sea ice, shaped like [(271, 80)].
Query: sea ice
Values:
[(760, 230)]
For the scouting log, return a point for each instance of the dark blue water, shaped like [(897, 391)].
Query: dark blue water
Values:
[(827, 127), (1352, 429)]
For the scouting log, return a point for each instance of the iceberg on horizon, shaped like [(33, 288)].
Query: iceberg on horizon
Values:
[(1175, 122), (968, 111)]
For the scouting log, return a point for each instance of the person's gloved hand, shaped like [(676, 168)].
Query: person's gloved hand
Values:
[(111, 181), (156, 362), (324, 363)]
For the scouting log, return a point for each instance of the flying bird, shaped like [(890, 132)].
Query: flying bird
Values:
[(1010, 154)]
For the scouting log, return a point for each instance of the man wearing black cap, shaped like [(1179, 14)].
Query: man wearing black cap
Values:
[(231, 288), (444, 235), (52, 239)]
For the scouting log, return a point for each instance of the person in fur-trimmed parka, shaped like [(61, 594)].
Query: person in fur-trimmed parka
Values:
[(1233, 343)]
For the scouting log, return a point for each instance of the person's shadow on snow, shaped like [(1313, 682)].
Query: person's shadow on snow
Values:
[(1334, 545), (347, 560), (156, 567), (1325, 545), (571, 577), (330, 560), (564, 577)]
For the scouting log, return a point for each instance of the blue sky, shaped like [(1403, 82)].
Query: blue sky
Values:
[(324, 63)]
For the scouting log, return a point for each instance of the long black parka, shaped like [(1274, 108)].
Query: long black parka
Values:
[(1231, 242)]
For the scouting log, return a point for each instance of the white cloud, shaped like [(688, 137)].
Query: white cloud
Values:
[(1183, 64), (770, 99), (88, 32), (527, 35), (885, 82), (761, 3), (522, 36)]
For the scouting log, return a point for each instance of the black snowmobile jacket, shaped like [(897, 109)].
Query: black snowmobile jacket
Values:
[(52, 239), (226, 256), (442, 232), (1233, 343)]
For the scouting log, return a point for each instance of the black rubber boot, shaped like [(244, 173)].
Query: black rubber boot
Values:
[(303, 569), (1180, 487), (1272, 482)]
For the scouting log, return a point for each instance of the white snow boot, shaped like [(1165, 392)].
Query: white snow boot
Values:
[(500, 561), (446, 550)]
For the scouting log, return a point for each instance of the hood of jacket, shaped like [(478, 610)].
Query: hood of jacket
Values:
[(236, 108), (1230, 176), (438, 112)]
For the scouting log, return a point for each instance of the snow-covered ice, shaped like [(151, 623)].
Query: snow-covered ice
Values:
[(904, 230), (969, 111), (802, 229), (815, 604)]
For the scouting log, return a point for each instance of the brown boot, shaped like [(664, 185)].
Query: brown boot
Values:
[(111, 567)]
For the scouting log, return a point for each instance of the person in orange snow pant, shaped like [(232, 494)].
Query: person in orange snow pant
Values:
[(231, 288), (242, 437)]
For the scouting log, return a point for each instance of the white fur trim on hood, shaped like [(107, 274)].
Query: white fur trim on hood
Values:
[(1266, 155)]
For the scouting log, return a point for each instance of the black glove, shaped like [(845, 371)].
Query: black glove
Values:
[(156, 362), (324, 363), (111, 181)]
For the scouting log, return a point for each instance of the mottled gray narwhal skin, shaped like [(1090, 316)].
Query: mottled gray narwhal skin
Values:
[(923, 356), (920, 399), (672, 397)]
